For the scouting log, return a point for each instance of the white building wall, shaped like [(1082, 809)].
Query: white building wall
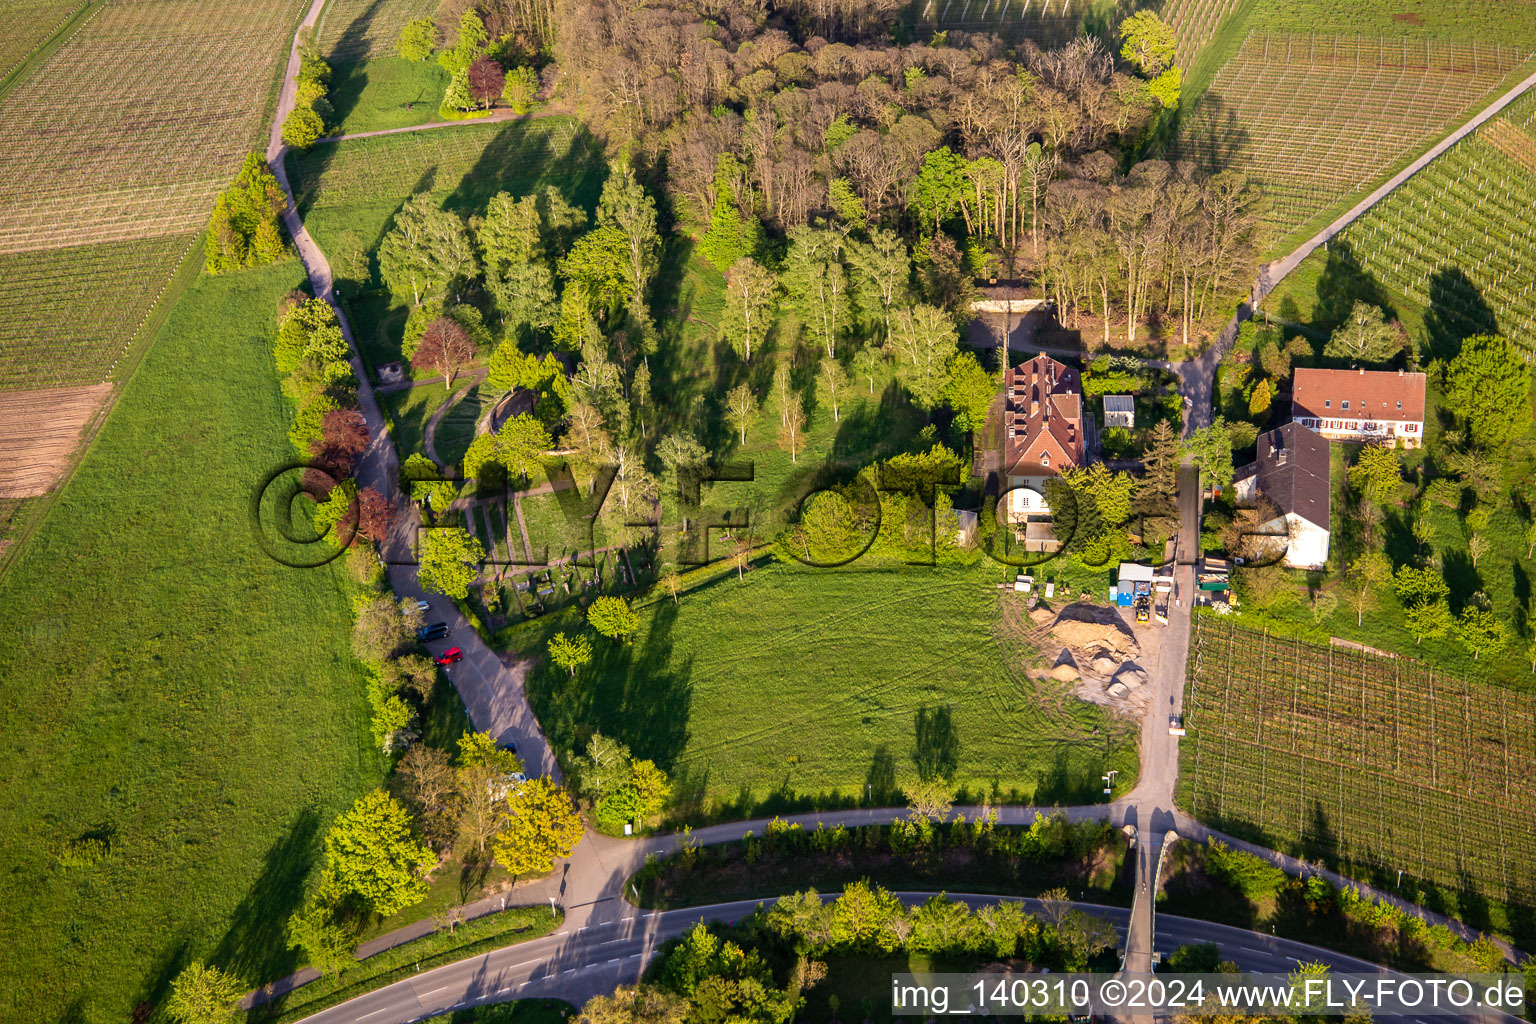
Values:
[(1025, 503), (1308, 544), (1411, 432)]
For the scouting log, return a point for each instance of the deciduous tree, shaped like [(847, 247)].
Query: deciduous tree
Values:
[(740, 410), (1487, 384), (1366, 336), (749, 299), (372, 857), (450, 561), (1376, 474), (613, 618), (570, 652), (1480, 631), (541, 825), (1370, 572), (832, 384), (427, 250), (486, 80), (417, 39), (445, 349), (204, 994), (922, 342)]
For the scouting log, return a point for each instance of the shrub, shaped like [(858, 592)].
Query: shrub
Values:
[(303, 128), (521, 89), (417, 39)]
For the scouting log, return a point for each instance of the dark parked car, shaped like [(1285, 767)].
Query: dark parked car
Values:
[(436, 631), (449, 656)]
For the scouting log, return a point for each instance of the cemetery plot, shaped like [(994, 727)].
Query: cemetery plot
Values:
[(1356, 758)]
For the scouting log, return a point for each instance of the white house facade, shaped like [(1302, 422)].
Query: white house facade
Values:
[(1360, 405)]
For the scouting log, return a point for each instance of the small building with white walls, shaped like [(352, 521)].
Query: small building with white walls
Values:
[(1119, 411), (1293, 473)]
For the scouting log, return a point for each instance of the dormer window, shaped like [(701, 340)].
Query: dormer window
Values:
[(1345, 403), (1045, 458), (1327, 403), (1399, 405)]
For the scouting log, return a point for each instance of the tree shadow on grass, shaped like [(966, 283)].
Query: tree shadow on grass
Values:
[(1342, 283), (1456, 312), (1471, 904), (1318, 840), (1462, 577), (349, 79), (937, 750), (255, 948), (635, 693), (880, 787), (1065, 784)]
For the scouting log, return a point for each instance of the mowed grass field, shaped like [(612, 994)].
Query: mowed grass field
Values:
[(372, 88), (385, 92), (1376, 764), (800, 686), (169, 689)]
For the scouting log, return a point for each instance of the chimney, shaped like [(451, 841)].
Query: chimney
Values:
[(1399, 373), (1362, 371)]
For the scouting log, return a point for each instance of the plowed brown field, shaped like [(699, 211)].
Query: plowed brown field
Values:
[(38, 433)]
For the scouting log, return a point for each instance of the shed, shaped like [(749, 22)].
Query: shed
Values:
[(1119, 411), (1133, 580)]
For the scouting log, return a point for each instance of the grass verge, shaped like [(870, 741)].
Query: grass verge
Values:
[(506, 928)]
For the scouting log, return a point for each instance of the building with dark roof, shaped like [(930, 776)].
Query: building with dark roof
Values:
[(1042, 431), (1293, 473), (1360, 405)]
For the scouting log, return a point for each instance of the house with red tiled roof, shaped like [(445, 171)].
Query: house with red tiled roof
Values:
[(1360, 405), (1042, 432)]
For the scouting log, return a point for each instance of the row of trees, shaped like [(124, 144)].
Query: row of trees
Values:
[(760, 969), (312, 111), (475, 62)]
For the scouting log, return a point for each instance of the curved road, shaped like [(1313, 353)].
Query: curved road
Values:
[(576, 964)]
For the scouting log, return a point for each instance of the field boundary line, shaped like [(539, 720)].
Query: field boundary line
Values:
[(46, 46), (132, 355)]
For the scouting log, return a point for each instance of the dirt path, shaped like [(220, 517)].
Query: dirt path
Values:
[(429, 441), (499, 115)]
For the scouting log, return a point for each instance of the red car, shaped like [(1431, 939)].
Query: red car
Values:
[(449, 656)]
